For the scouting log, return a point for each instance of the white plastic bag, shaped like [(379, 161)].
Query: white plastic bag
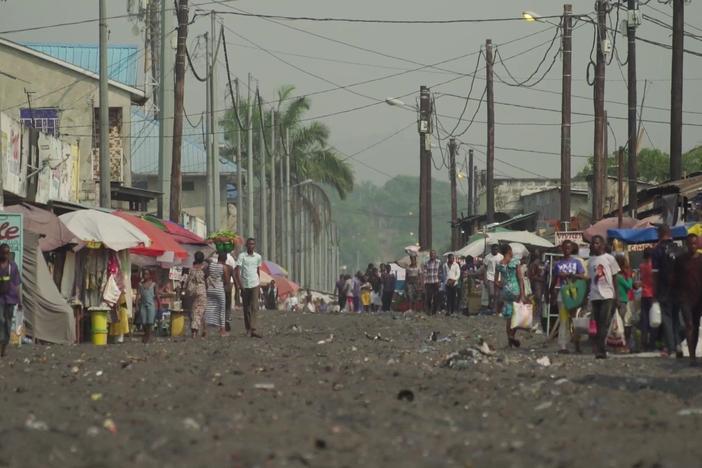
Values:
[(522, 315), (615, 335), (655, 319), (112, 292)]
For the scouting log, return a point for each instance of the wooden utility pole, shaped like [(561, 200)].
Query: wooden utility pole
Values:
[(490, 179), (632, 124), (166, 94), (600, 162), (676, 90), (566, 101), (620, 185), (178, 106), (250, 229), (454, 200), (425, 112), (209, 214), (471, 182), (105, 170)]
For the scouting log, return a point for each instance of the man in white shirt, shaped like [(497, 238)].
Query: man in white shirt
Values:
[(491, 260), (247, 275), (453, 274)]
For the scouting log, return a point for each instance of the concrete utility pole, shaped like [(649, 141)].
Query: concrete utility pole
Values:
[(600, 161), (490, 194), (262, 161), (289, 234), (425, 112), (676, 90), (632, 124), (165, 112), (620, 185), (105, 172), (178, 109), (475, 190), (566, 112), (471, 182), (249, 167), (214, 148), (274, 251), (209, 215), (454, 201), (239, 178)]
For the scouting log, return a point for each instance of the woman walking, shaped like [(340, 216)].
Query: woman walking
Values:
[(148, 301), (10, 295), (511, 283), (197, 293), (217, 275), (412, 282), (602, 271)]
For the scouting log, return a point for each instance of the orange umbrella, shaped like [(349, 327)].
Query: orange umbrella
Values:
[(285, 286), (161, 242)]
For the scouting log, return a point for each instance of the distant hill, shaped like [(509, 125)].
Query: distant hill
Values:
[(377, 223)]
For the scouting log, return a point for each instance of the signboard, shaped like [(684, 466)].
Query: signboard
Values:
[(12, 234), (573, 236), (640, 247)]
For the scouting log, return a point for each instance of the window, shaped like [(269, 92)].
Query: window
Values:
[(44, 119), (188, 186)]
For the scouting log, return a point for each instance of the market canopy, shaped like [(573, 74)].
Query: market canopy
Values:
[(161, 244), (101, 227), (51, 231), (643, 235), (178, 232), (273, 269), (285, 286), (481, 244)]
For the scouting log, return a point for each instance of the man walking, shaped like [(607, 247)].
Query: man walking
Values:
[(666, 259), (389, 281), (248, 279), (453, 274), (491, 260), (431, 283), (602, 271), (10, 295)]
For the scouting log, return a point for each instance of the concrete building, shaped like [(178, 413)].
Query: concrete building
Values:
[(547, 205), (54, 87), (145, 171), (509, 193)]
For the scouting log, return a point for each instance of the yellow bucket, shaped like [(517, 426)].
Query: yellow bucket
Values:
[(177, 323), (99, 327)]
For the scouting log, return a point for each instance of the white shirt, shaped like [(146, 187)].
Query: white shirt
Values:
[(491, 262), (601, 269), (453, 272), (231, 262), (248, 269)]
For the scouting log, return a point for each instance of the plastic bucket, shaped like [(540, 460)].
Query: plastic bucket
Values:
[(98, 321), (177, 323)]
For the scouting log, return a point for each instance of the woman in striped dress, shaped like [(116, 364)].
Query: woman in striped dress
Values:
[(217, 275)]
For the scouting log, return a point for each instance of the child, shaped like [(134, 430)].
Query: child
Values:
[(148, 302), (625, 283), (366, 289)]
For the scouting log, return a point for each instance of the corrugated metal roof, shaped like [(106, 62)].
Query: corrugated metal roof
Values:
[(122, 60), (145, 150)]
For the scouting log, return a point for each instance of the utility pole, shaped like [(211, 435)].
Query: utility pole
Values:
[(105, 172), (274, 251), (676, 90), (566, 112), (262, 161), (239, 184), (490, 194), (165, 112), (600, 161), (605, 166), (249, 167), (214, 148), (425, 111), (289, 234), (620, 185), (454, 201), (632, 124), (471, 181), (178, 109), (209, 215), (475, 190)]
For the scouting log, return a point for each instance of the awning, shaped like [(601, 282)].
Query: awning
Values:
[(178, 232), (53, 233), (161, 242), (97, 226), (645, 235)]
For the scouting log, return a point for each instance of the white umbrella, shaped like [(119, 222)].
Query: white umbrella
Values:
[(522, 237), (98, 226), (475, 248)]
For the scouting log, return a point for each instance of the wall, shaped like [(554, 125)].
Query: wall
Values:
[(548, 205), (508, 193), (75, 95)]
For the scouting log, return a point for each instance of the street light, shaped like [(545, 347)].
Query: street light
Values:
[(530, 16)]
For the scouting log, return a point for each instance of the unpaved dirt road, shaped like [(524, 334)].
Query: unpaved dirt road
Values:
[(301, 397)]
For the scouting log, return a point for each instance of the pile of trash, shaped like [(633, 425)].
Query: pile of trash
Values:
[(466, 357)]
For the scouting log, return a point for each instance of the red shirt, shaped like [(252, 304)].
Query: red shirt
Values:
[(646, 271)]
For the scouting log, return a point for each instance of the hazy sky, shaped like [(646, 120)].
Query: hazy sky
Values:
[(417, 44)]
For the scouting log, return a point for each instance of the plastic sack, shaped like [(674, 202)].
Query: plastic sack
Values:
[(592, 330), (112, 292), (522, 315), (655, 316), (615, 335), (581, 325)]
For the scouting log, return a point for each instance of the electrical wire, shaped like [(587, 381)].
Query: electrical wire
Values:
[(470, 91), (235, 105), (192, 68), (379, 142)]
